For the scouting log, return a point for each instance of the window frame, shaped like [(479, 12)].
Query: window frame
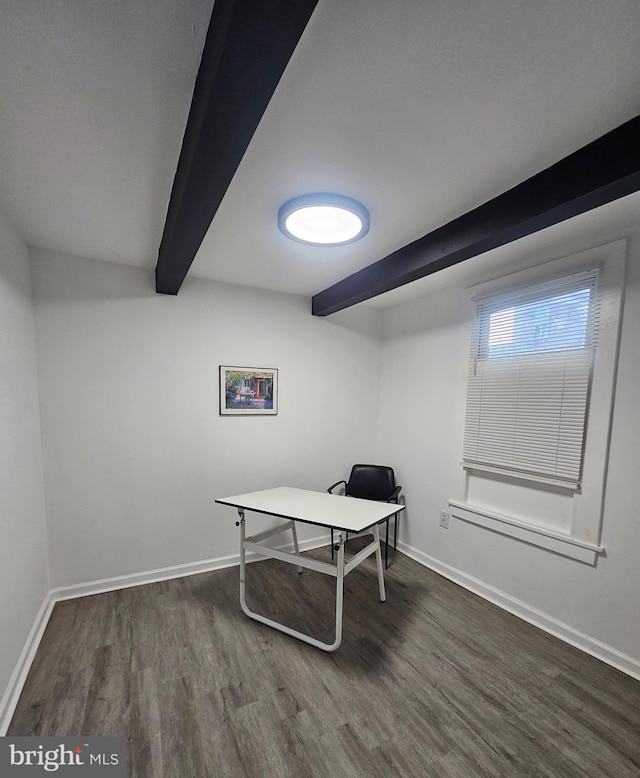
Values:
[(579, 537)]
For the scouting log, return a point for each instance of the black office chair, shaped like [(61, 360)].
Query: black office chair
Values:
[(373, 482)]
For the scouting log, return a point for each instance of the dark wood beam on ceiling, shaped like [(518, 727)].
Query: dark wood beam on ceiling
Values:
[(602, 171), (247, 48)]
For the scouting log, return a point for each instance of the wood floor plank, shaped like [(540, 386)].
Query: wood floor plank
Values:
[(433, 682)]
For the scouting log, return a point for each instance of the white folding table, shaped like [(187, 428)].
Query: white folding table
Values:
[(342, 514)]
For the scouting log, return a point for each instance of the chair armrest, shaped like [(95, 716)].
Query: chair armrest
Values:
[(337, 483), (394, 496)]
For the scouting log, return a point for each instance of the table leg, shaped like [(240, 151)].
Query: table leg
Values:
[(282, 627), (296, 547), (240, 523), (376, 535), (339, 591)]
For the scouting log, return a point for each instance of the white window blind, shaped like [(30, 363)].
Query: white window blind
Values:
[(530, 371)]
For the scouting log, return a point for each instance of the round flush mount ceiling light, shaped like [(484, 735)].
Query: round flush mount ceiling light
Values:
[(323, 219)]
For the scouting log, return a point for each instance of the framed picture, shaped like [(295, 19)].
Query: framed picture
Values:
[(248, 391)]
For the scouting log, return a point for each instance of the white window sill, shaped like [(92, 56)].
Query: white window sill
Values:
[(529, 533)]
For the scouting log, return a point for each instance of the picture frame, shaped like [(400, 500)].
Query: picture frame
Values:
[(248, 391)]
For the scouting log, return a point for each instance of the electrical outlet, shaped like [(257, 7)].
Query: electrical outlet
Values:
[(444, 519)]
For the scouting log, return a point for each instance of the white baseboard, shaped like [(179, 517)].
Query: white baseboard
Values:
[(559, 629), (19, 676), (166, 573)]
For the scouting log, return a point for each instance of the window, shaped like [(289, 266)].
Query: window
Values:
[(530, 373), (539, 401)]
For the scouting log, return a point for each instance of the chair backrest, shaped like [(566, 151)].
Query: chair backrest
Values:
[(371, 482)]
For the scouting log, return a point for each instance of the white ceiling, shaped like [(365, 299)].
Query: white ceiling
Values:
[(421, 110), (94, 97)]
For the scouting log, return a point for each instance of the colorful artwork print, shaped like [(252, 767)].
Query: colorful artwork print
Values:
[(248, 391)]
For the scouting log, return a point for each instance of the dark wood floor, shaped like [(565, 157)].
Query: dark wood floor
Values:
[(434, 682)]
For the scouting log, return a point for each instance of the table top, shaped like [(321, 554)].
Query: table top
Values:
[(328, 510)]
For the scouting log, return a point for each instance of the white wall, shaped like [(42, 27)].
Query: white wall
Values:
[(23, 560), (135, 449), (422, 397)]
